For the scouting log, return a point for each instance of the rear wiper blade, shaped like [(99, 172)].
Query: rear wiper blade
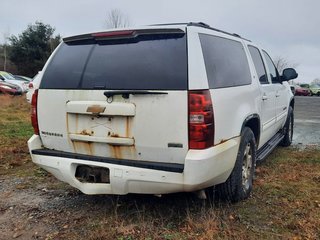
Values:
[(125, 93)]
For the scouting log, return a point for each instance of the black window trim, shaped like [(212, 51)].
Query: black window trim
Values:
[(264, 65), (278, 75), (212, 35)]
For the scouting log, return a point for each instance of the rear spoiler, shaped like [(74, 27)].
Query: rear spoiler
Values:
[(125, 35)]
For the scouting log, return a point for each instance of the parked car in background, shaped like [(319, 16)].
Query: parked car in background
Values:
[(304, 85), (22, 78), (33, 85), (10, 88), (315, 89), (9, 78), (300, 91)]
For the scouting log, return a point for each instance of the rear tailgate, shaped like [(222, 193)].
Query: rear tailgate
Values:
[(118, 97)]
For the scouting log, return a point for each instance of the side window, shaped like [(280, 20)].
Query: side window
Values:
[(259, 65), (273, 71), (226, 62)]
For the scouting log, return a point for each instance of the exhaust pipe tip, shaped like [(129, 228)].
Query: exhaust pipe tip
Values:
[(201, 194)]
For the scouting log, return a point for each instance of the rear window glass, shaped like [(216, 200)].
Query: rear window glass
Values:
[(157, 63), (226, 62)]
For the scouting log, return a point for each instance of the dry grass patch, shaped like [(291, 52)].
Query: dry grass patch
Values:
[(15, 129)]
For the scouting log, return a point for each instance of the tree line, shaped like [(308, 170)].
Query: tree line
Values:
[(27, 53)]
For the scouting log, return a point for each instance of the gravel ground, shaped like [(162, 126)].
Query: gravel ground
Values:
[(39, 213), (307, 121)]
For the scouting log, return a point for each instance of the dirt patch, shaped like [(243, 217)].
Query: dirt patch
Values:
[(285, 204), (29, 210)]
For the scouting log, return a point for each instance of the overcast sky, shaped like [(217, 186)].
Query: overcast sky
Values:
[(287, 28)]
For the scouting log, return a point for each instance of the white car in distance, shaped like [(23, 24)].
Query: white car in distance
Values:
[(33, 85)]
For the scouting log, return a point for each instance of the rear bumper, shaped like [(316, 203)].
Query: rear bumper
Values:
[(202, 168)]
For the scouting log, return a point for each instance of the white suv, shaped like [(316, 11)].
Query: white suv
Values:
[(160, 109)]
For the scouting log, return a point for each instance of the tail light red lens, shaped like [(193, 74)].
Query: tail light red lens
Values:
[(34, 112), (201, 120)]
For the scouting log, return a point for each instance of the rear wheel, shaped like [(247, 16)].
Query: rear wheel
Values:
[(239, 184), (288, 129)]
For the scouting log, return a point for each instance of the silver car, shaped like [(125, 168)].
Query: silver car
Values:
[(9, 78)]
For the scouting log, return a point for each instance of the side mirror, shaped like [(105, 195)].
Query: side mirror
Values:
[(288, 74), (1, 78)]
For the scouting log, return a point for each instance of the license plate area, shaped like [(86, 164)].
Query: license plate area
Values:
[(99, 126)]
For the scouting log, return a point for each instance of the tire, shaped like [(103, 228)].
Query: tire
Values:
[(239, 184), (288, 129)]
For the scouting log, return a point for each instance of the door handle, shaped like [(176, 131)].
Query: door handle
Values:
[(264, 98)]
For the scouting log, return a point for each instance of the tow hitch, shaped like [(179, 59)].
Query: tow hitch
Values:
[(88, 174)]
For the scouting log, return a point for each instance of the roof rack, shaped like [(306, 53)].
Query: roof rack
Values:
[(204, 25), (168, 24)]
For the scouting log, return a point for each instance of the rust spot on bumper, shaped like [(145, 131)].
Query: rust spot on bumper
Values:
[(115, 135), (85, 132), (96, 109), (83, 147), (128, 127), (123, 152)]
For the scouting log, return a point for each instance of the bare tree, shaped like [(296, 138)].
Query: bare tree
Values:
[(5, 36), (316, 81), (282, 63), (116, 19)]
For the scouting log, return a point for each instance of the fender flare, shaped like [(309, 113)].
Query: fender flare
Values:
[(247, 119)]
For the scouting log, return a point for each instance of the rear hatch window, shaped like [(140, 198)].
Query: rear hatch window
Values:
[(149, 123), (143, 62)]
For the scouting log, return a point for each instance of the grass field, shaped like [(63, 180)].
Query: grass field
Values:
[(285, 203)]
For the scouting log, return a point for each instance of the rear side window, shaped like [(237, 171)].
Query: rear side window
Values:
[(157, 63), (258, 64), (226, 62)]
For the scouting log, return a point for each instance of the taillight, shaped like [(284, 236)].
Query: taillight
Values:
[(201, 121), (34, 112), (30, 85)]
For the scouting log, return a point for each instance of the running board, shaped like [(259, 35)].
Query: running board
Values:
[(267, 148)]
